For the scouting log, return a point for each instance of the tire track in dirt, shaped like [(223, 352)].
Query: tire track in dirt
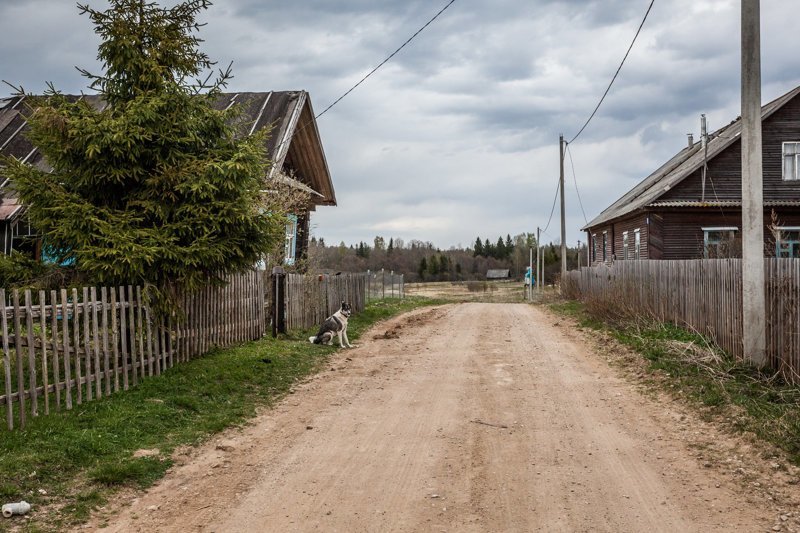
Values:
[(473, 417)]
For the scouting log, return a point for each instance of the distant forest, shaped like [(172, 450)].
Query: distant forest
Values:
[(422, 261)]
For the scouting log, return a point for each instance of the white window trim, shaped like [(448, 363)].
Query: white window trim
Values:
[(625, 245), (706, 229), (291, 240), (796, 155), (637, 243), (720, 228), (605, 246)]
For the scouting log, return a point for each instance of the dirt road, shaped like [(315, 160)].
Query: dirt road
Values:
[(465, 418)]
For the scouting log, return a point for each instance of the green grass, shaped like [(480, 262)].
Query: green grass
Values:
[(686, 365), (79, 457)]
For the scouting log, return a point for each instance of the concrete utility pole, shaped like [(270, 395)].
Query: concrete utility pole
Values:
[(753, 297), (561, 145)]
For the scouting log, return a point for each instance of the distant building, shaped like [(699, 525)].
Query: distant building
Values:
[(497, 273)]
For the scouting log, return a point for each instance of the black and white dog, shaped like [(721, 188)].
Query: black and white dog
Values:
[(336, 324)]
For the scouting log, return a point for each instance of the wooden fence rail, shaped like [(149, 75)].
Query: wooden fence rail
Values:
[(704, 295), (63, 348), (312, 298)]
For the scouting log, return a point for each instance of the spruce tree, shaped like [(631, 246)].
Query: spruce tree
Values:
[(478, 248), (500, 248), (154, 186)]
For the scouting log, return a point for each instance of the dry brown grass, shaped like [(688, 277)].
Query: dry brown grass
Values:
[(469, 291)]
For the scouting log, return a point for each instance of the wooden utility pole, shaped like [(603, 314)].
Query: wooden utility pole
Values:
[(753, 297), (561, 145), (538, 260), (533, 276)]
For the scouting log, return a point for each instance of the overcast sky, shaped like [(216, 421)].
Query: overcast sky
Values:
[(457, 136)]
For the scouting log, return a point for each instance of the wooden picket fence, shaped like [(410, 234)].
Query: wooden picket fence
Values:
[(310, 299), (62, 348), (705, 296)]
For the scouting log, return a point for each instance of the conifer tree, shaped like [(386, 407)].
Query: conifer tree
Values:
[(154, 186), (500, 248), (478, 248), (423, 268)]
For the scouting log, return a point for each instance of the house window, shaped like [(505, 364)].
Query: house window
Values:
[(605, 246), (718, 242), (791, 161), (637, 243), (291, 239), (594, 247), (787, 243), (625, 245)]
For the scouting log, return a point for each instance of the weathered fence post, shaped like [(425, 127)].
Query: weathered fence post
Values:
[(279, 301)]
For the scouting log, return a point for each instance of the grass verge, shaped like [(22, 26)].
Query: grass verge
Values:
[(688, 366), (68, 463)]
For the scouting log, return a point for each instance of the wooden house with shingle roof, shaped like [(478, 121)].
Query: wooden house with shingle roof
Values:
[(690, 207), (294, 148)]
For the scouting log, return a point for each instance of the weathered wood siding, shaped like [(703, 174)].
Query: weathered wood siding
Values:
[(723, 179), (630, 224), (705, 296)]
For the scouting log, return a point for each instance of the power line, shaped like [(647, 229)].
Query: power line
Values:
[(351, 89), (371, 72), (615, 74), (552, 210), (575, 180)]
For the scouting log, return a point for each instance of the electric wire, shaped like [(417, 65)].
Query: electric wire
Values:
[(615, 74), (575, 180), (552, 210), (371, 72)]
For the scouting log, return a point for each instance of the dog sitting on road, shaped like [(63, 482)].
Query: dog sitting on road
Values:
[(336, 324)]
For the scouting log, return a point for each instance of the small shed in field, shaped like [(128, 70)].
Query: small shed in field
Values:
[(497, 273)]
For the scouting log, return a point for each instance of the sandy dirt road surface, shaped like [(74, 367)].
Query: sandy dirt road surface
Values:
[(463, 418)]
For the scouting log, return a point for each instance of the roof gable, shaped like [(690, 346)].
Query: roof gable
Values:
[(682, 165), (287, 114)]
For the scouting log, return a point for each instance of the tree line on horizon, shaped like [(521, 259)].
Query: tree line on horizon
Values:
[(421, 261)]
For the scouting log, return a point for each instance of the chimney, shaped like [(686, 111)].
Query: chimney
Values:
[(691, 140)]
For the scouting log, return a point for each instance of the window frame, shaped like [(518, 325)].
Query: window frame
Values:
[(796, 157), (637, 244), (290, 246), (625, 245), (795, 243), (605, 246), (717, 229)]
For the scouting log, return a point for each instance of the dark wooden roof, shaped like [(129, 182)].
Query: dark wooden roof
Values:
[(680, 166), (294, 146)]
